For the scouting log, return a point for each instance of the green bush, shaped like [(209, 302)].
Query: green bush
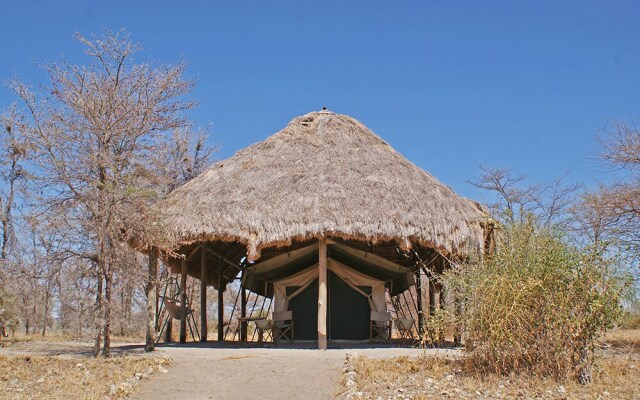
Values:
[(537, 305)]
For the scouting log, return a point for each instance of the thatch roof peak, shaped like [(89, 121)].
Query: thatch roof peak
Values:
[(323, 174)]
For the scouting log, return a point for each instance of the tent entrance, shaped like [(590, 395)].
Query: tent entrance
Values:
[(305, 311), (349, 311), (352, 296)]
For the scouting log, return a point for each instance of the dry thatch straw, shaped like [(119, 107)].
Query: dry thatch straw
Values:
[(323, 174)]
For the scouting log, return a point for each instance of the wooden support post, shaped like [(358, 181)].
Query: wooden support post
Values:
[(432, 296), (183, 302), (457, 335), (204, 279), (243, 310), (168, 331), (221, 288), (322, 294), (442, 297), (419, 303), (152, 290)]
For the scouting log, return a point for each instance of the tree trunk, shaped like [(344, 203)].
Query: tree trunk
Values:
[(585, 369), (108, 286), (45, 314), (34, 316), (64, 323), (98, 317), (151, 300), (123, 311), (80, 312)]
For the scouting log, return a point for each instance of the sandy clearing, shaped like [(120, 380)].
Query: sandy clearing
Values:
[(253, 373), (231, 370)]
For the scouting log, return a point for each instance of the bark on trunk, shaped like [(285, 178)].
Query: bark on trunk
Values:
[(151, 300), (98, 318), (108, 285), (45, 314)]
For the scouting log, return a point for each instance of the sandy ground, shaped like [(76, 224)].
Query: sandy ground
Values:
[(204, 372), (233, 371)]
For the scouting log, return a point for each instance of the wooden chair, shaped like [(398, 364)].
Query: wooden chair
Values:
[(380, 326), (282, 327)]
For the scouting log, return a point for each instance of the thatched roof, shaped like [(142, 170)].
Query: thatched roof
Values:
[(323, 174)]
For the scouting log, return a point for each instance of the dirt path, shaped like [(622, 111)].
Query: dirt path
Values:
[(250, 373), (212, 371)]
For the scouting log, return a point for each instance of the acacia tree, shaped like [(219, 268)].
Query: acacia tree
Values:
[(102, 134)]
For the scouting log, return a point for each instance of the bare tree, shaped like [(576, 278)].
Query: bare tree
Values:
[(13, 151), (102, 134), (513, 198), (516, 200), (620, 149), (555, 201)]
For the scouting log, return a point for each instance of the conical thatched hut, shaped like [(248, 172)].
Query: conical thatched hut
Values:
[(323, 193)]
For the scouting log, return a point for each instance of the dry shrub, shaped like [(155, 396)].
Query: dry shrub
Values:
[(538, 305), (436, 326)]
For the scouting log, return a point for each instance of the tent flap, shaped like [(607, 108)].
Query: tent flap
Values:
[(353, 278)]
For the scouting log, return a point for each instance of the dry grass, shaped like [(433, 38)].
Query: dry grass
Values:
[(624, 340), (437, 377), (57, 337), (56, 377)]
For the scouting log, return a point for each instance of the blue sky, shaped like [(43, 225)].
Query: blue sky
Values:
[(451, 85)]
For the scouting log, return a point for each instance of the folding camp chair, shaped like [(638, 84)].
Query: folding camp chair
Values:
[(282, 327), (263, 325), (380, 326), (405, 328)]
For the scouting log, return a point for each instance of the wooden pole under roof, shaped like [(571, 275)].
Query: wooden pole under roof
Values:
[(183, 301), (322, 294), (204, 279), (220, 304)]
